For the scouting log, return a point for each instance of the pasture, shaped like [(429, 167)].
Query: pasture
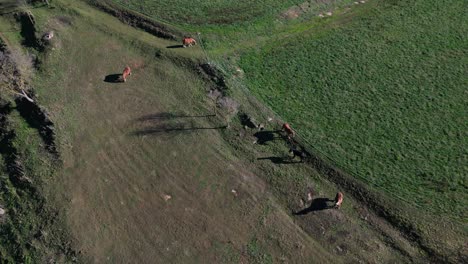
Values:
[(383, 96), (378, 89), (149, 171), (154, 170)]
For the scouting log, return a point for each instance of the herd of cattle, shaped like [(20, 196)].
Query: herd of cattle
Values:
[(188, 42)]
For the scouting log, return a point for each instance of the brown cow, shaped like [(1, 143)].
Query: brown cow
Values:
[(338, 200), (126, 72), (188, 42), (287, 128)]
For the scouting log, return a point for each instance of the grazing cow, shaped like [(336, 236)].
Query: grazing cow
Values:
[(126, 72), (286, 128), (338, 200), (188, 42)]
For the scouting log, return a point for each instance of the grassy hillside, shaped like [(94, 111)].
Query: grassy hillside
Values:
[(147, 175), (149, 171), (363, 87), (384, 96)]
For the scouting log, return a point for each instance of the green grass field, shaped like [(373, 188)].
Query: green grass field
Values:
[(205, 13), (125, 146), (148, 174), (384, 97)]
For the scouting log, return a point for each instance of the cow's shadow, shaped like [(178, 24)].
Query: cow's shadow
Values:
[(264, 137), (114, 78), (317, 204), (175, 47)]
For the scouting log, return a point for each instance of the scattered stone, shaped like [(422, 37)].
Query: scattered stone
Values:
[(301, 203), (356, 3), (339, 249), (362, 2), (214, 94), (261, 127), (48, 36), (270, 119), (166, 197), (309, 196), (234, 192), (239, 72), (328, 13), (292, 13), (299, 245), (321, 15), (364, 217), (2, 211)]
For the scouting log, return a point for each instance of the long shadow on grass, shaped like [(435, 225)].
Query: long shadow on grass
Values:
[(167, 115), (317, 204), (279, 160), (161, 129), (167, 123)]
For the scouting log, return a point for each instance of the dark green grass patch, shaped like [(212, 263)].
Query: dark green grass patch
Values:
[(198, 12), (385, 96)]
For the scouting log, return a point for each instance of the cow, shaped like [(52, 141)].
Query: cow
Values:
[(338, 200), (289, 132), (126, 72), (188, 42)]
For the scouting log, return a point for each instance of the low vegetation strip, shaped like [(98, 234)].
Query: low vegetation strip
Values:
[(137, 20), (383, 96), (30, 229)]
